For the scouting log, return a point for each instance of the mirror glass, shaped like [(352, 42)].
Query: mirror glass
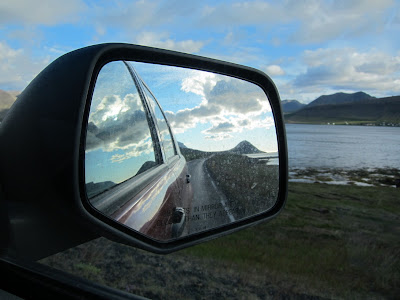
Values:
[(172, 151)]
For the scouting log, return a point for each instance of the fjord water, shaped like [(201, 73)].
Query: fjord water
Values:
[(340, 146)]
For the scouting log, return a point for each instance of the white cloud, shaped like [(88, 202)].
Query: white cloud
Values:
[(182, 26), (218, 137), (326, 20), (274, 70), (313, 21), (100, 30), (246, 55), (229, 105), (30, 36), (162, 40), (199, 84), (237, 97), (243, 13), (130, 15), (233, 124), (118, 123), (349, 69), (45, 12), (221, 128), (7, 52), (112, 106), (136, 150), (17, 68), (190, 117)]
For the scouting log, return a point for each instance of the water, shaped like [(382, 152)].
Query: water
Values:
[(347, 147), (271, 158)]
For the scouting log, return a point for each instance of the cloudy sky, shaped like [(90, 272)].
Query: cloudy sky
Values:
[(309, 48), (207, 111), (219, 111)]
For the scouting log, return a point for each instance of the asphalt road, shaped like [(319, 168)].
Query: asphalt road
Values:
[(210, 208)]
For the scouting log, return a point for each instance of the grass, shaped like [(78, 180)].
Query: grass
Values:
[(329, 241), (376, 177), (333, 121), (341, 241)]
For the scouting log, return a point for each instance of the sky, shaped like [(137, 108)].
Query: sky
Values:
[(309, 48), (219, 111)]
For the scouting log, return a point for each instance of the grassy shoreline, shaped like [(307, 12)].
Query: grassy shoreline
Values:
[(330, 241), (360, 177), (346, 123), (337, 241)]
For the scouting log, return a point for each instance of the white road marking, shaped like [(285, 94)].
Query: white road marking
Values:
[(222, 197)]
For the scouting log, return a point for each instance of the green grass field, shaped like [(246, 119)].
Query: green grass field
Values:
[(336, 241), (330, 241)]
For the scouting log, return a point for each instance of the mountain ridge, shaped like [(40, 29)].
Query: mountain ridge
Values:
[(290, 106), (370, 111), (244, 147), (343, 108), (7, 98), (340, 98)]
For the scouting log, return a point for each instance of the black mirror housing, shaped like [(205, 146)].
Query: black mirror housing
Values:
[(42, 152)]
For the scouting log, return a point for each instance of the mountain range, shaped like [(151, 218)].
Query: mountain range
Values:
[(7, 98), (340, 98), (290, 106), (339, 108), (342, 108)]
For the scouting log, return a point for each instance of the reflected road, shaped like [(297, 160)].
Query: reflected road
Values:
[(209, 207)]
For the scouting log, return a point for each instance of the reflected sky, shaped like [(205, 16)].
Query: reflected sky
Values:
[(211, 112), (118, 141)]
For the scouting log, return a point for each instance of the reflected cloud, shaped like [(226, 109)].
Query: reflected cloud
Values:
[(220, 130), (219, 137), (221, 127), (119, 143), (119, 123), (229, 104), (144, 146)]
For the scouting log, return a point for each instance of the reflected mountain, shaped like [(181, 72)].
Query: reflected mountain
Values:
[(146, 166), (93, 189), (96, 188), (181, 145), (244, 147)]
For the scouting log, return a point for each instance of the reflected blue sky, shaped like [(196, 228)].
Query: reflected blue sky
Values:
[(180, 91), (206, 111), (118, 141)]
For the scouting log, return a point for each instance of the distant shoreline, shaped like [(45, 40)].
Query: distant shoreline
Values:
[(382, 124)]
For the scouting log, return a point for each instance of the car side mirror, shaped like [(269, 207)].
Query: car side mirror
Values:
[(153, 148)]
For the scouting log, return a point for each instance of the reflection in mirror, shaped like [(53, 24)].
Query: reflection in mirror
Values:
[(172, 152), (118, 141)]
